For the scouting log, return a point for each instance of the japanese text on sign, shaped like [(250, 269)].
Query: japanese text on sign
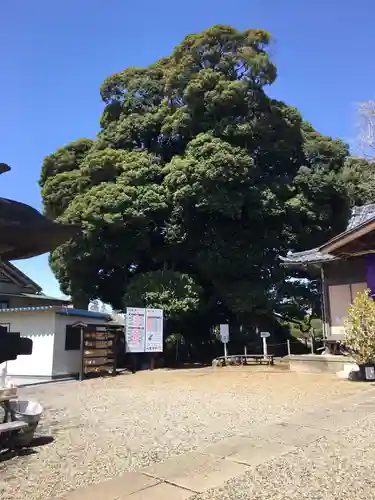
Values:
[(154, 330), (135, 329), (144, 330)]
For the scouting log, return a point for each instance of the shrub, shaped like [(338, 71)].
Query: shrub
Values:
[(360, 328)]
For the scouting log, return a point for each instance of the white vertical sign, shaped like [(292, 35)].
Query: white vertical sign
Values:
[(224, 333), (135, 329), (264, 336), (224, 337), (154, 330)]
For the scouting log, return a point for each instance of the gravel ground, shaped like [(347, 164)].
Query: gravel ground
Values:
[(339, 468), (103, 427)]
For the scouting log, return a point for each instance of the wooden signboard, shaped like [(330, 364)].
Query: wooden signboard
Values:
[(99, 349)]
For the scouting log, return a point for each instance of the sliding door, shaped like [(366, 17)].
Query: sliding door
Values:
[(340, 297)]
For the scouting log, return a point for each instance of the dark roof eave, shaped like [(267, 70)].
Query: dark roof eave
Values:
[(352, 231), (294, 263), (37, 297), (304, 260), (360, 218), (32, 241), (60, 310)]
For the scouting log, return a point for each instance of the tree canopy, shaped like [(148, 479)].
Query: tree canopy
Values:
[(196, 182)]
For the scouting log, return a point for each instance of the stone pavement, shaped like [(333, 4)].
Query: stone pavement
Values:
[(210, 467)]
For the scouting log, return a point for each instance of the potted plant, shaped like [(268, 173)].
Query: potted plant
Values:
[(360, 334)]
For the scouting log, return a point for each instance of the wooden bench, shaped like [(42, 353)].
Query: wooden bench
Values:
[(12, 426), (332, 346), (258, 358)]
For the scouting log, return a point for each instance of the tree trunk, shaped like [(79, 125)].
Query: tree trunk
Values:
[(80, 301)]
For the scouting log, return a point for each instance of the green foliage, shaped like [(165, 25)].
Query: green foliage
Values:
[(360, 328), (175, 293), (358, 176), (308, 327), (65, 159), (196, 172)]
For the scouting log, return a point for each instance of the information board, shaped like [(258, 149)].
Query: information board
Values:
[(99, 348), (135, 329), (154, 330), (224, 333)]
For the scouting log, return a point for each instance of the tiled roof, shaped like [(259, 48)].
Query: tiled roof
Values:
[(63, 311), (4, 278), (361, 215), (83, 313), (43, 297), (38, 296), (27, 309), (314, 256), (12, 274)]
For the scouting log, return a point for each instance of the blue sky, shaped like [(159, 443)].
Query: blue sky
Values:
[(55, 54)]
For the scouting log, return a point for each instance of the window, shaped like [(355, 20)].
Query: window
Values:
[(4, 304), (72, 338)]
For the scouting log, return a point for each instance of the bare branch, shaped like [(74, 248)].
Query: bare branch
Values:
[(366, 128)]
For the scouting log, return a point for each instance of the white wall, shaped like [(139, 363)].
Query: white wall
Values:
[(68, 362), (39, 327), (47, 331)]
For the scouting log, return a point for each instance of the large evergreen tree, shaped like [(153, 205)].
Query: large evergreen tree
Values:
[(196, 182)]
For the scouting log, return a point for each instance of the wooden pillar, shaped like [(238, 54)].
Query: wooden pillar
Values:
[(82, 353), (134, 362), (324, 303), (152, 361)]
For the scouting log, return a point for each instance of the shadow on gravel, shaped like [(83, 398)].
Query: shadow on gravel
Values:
[(186, 366), (25, 452), (8, 455), (41, 441)]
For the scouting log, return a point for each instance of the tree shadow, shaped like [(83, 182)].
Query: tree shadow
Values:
[(186, 366), (37, 442), (9, 454), (41, 441)]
